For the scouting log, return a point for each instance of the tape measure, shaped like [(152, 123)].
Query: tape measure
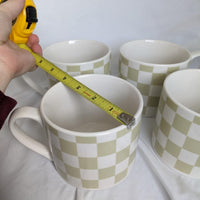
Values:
[(113, 110), (23, 26)]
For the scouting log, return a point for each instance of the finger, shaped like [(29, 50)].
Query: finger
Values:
[(33, 43), (12, 8)]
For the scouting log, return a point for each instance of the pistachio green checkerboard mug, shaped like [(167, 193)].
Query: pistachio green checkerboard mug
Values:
[(146, 63), (90, 149), (176, 134), (75, 57)]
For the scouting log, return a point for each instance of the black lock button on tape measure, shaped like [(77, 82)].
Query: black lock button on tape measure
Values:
[(113, 110)]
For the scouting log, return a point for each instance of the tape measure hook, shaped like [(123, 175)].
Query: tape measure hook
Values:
[(127, 119)]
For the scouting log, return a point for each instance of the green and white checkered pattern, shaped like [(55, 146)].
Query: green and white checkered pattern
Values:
[(94, 162), (99, 67), (176, 137), (148, 79)]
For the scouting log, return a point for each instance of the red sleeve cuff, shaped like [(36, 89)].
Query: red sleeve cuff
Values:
[(6, 105)]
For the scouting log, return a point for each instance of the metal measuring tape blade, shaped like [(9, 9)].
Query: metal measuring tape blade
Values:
[(113, 110)]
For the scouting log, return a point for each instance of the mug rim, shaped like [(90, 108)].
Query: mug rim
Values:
[(137, 115), (76, 63), (156, 64), (172, 97)]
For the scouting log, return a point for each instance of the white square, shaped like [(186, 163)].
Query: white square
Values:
[(74, 181), (144, 77), (70, 160), (86, 150), (132, 82), (169, 159), (106, 161), (188, 157), (176, 137), (160, 70), (194, 132), (145, 99), (123, 142), (124, 70), (162, 139), (158, 118), (122, 166), (89, 174), (155, 90), (86, 67), (168, 114), (185, 114), (105, 183), (106, 138), (133, 146), (59, 164), (67, 137), (134, 65), (99, 70), (195, 172)]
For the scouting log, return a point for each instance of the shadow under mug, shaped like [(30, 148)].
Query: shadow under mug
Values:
[(75, 57), (146, 63), (176, 134), (89, 148)]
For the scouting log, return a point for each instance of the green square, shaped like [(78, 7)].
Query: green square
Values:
[(198, 162), (158, 79), (192, 145), (107, 68), (73, 68), (88, 163), (90, 184), (165, 127), (86, 140), (172, 69), (173, 149), (146, 68), (197, 120), (87, 72), (107, 172), (124, 60), (144, 89), (161, 104), (135, 132), (122, 132), (106, 148), (122, 155), (171, 104), (121, 176), (99, 64), (183, 167), (159, 149), (132, 157), (72, 171), (68, 147), (181, 124), (153, 101), (133, 74), (57, 153), (52, 130)]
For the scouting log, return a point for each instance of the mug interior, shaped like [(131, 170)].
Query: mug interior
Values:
[(154, 52), (183, 87), (64, 108), (76, 51)]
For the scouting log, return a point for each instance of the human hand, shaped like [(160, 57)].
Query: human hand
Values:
[(13, 60)]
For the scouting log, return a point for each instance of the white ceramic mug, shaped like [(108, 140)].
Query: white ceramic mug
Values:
[(90, 149), (176, 134), (146, 63), (75, 57)]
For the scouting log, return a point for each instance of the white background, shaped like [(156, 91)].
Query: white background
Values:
[(25, 175)]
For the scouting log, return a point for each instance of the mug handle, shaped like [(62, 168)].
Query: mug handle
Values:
[(195, 54), (33, 85), (21, 136)]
